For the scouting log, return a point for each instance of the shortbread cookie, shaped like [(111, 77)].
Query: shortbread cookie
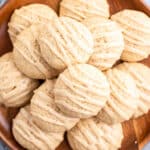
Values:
[(30, 136), (64, 42), (89, 134), (123, 101), (136, 31), (27, 55), (15, 88), (45, 112), (81, 91), (107, 49), (25, 16), (141, 76), (81, 9)]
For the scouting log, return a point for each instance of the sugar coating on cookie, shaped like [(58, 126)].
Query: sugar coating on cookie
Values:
[(89, 134), (123, 100), (16, 89), (30, 136), (81, 91), (27, 15), (65, 42), (45, 112), (107, 49), (27, 55), (136, 31), (82, 9), (140, 74)]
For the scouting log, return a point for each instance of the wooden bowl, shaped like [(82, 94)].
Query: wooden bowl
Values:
[(136, 132)]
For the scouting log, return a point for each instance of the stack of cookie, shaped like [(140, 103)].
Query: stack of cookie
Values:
[(85, 92)]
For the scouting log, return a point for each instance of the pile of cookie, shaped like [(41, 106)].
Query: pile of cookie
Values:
[(78, 72)]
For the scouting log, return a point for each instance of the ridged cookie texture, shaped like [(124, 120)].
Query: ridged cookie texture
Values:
[(65, 42), (15, 88), (141, 76), (82, 9), (136, 31), (107, 49), (25, 16), (81, 91), (90, 134), (124, 97), (31, 137), (45, 112), (27, 55)]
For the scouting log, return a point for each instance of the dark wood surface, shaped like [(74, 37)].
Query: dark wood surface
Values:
[(136, 132)]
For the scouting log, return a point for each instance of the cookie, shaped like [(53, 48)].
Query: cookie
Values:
[(89, 134), (65, 42), (81, 91), (107, 49), (27, 55), (15, 88), (45, 112), (27, 15), (82, 9), (31, 137), (124, 97), (136, 27), (140, 74)]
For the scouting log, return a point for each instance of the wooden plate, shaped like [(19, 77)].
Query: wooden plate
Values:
[(136, 132)]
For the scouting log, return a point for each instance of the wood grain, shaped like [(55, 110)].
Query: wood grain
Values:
[(136, 132)]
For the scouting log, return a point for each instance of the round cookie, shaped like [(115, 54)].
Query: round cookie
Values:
[(82, 9), (65, 42), (81, 91), (124, 97), (107, 49), (27, 55), (15, 88), (25, 16), (136, 31), (45, 112), (31, 137), (140, 74), (89, 134)]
